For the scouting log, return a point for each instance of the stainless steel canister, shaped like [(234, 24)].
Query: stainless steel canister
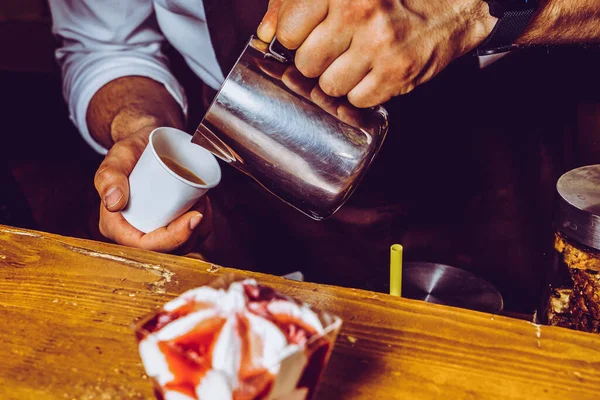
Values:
[(574, 290)]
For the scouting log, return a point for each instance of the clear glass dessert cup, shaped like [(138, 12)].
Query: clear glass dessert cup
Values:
[(292, 375)]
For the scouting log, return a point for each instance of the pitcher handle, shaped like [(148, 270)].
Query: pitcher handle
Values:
[(280, 53)]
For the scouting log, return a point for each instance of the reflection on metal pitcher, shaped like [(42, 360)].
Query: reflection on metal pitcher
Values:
[(281, 129)]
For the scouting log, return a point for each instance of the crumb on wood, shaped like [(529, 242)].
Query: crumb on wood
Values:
[(213, 268)]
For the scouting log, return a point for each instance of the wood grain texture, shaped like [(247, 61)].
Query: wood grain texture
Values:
[(67, 306)]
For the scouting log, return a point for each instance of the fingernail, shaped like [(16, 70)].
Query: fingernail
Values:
[(113, 197), (195, 221), (264, 30)]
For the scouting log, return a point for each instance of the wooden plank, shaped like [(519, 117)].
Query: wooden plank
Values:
[(67, 306)]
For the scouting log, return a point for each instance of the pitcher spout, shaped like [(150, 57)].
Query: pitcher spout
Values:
[(205, 138)]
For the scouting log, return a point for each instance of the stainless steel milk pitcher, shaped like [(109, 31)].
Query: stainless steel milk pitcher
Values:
[(309, 149)]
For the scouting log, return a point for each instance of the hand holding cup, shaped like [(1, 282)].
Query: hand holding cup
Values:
[(155, 203)]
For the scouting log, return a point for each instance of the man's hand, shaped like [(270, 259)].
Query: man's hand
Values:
[(112, 184), (121, 116), (372, 50)]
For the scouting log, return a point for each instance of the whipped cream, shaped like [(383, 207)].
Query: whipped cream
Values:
[(244, 343)]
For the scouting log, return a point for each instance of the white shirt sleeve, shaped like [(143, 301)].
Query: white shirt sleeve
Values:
[(103, 41)]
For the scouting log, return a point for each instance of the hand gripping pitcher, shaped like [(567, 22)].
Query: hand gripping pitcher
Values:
[(277, 126)]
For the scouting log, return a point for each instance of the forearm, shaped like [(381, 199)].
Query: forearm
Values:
[(127, 104), (563, 22)]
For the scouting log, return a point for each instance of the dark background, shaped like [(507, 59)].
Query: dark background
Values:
[(40, 148), (472, 158)]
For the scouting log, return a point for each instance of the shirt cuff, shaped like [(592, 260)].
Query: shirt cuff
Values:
[(107, 71)]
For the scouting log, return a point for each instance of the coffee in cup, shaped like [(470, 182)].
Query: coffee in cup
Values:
[(182, 171), (165, 182)]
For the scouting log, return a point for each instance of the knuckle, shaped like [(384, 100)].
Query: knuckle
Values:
[(322, 100), (360, 100), (118, 146), (180, 240), (103, 175), (359, 10), (307, 69), (287, 37), (355, 99), (385, 35), (330, 87)]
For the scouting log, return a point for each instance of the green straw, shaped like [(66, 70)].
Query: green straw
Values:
[(396, 270)]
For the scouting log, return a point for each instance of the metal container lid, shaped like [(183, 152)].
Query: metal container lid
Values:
[(449, 286), (578, 214)]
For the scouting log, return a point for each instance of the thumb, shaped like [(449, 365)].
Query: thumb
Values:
[(112, 178), (112, 186), (268, 26)]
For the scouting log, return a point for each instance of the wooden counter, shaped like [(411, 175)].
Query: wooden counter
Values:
[(67, 305)]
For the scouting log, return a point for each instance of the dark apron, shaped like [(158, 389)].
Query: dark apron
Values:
[(453, 183)]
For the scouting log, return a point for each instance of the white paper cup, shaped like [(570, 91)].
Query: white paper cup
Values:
[(157, 195)]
